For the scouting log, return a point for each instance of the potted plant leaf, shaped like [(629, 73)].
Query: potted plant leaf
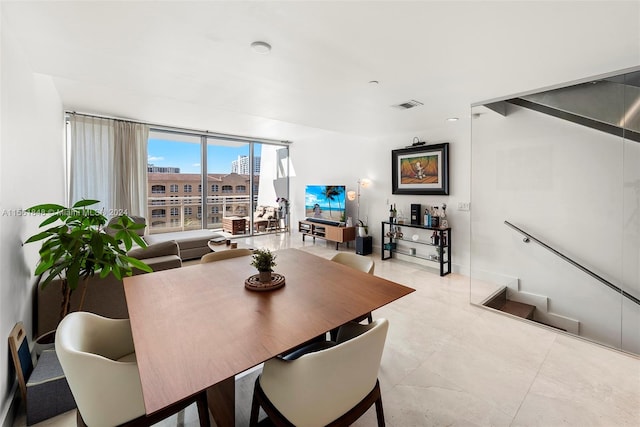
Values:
[(76, 247), (264, 261)]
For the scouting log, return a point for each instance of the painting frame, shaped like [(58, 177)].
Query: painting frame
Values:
[(422, 170)]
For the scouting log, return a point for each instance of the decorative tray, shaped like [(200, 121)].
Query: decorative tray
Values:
[(253, 283)]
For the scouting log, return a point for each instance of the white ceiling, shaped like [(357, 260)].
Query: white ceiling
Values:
[(189, 63)]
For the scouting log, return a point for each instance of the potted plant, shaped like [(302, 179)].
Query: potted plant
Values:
[(362, 229), (264, 261), (75, 247)]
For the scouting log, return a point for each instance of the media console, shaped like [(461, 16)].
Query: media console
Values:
[(331, 233)]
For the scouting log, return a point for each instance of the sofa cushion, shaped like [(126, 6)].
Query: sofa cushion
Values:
[(160, 263), (160, 249)]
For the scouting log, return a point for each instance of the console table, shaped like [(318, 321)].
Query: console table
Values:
[(427, 243), (331, 233)]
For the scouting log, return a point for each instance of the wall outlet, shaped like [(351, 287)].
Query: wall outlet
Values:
[(464, 206)]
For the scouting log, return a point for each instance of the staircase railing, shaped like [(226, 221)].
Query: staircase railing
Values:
[(602, 280)]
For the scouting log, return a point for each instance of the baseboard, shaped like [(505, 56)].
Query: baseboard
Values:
[(12, 410)]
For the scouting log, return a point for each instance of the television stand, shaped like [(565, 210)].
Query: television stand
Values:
[(330, 233)]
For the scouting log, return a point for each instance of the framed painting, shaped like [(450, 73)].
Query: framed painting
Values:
[(421, 170)]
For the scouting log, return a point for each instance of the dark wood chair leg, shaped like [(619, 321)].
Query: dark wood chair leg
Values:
[(79, 421), (380, 412), (370, 318), (255, 410), (203, 410)]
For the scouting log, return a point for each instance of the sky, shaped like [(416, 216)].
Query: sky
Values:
[(186, 155)]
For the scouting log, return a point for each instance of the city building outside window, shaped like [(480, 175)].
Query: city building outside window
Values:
[(173, 188), (188, 211), (214, 188), (188, 188), (227, 189), (158, 213), (175, 212), (241, 189), (158, 189)]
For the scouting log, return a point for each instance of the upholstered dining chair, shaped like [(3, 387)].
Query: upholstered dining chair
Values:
[(229, 253), (99, 361), (362, 263), (330, 387), (358, 262)]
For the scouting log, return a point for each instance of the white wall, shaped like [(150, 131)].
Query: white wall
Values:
[(31, 172), (341, 159), (563, 183)]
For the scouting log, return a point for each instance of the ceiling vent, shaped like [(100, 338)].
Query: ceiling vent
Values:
[(409, 104)]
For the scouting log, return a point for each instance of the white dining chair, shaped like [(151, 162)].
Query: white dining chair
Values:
[(358, 262), (98, 358), (226, 254), (362, 263), (333, 386)]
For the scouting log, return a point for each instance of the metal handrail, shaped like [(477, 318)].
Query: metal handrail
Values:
[(574, 263)]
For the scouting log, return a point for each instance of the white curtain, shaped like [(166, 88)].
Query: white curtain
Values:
[(129, 177), (108, 162)]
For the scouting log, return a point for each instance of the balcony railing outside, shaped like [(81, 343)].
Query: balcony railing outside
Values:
[(180, 213)]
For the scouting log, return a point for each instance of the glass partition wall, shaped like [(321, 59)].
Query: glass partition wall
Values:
[(555, 219), (240, 177)]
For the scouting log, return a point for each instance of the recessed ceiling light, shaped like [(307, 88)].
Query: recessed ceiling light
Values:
[(373, 82), (261, 47), (452, 119)]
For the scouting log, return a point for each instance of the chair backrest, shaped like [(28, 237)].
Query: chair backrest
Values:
[(229, 253), (98, 359), (358, 262), (21, 355), (319, 387)]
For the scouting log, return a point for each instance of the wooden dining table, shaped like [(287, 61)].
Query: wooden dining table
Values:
[(195, 328)]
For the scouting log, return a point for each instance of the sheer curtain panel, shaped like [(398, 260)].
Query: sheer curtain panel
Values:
[(129, 177), (108, 162)]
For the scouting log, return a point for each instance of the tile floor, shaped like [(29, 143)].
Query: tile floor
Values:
[(447, 362)]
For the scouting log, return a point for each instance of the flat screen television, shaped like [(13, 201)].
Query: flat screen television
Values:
[(326, 202)]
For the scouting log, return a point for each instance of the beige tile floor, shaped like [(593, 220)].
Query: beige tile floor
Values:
[(447, 362)]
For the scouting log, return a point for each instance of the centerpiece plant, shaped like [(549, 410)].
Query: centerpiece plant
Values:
[(264, 260), (75, 247)]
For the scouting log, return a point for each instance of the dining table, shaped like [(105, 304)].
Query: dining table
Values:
[(196, 327)]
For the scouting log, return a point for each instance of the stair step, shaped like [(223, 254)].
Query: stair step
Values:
[(519, 309)]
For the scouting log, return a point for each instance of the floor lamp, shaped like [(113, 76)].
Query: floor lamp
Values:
[(355, 195)]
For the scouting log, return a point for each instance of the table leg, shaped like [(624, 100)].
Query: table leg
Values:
[(222, 400)]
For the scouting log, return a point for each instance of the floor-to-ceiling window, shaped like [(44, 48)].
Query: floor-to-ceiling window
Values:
[(195, 180), (228, 180), (174, 174)]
